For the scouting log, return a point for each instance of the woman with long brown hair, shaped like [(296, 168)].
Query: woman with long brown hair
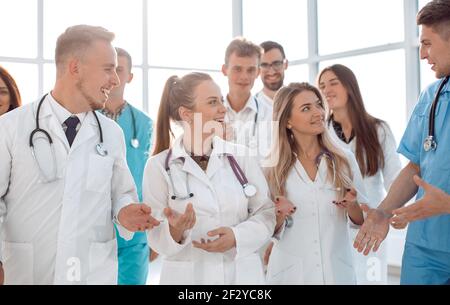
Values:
[(9, 93), (210, 194), (372, 142), (322, 182)]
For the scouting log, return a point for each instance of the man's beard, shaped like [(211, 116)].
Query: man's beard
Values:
[(274, 86), (95, 105)]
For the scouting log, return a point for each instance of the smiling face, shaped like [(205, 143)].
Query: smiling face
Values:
[(97, 74), (242, 73), (209, 104), (273, 66), (436, 51), (5, 97), (307, 115), (333, 90)]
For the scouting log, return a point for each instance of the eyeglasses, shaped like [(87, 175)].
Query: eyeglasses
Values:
[(277, 65)]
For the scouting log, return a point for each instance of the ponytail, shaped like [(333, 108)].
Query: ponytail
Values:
[(164, 132), (177, 92)]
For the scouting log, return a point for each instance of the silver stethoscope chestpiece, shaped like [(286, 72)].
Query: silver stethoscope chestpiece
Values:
[(429, 144), (249, 190), (101, 150), (289, 221), (135, 143)]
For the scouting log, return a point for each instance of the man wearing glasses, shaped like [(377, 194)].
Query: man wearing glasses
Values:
[(273, 64)]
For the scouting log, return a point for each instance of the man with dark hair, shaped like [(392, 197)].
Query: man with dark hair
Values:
[(137, 128), (273, 64), (426, 259)]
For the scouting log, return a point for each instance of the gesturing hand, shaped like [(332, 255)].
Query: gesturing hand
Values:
[(225, 242), (348, 200), (178, 223), (434, 202), (373, 230), (283, 207), (136, 217)]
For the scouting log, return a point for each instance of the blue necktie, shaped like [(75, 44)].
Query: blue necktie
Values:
[(71, 131)]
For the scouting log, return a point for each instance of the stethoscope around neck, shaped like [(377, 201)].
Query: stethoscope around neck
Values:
[(430, 142), (99, 147), (248, 189), (134, 140)]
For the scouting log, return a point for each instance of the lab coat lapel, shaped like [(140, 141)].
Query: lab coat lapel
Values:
[(192, 168), (86, 132), (189, 165), (218, 156), (50, 123)]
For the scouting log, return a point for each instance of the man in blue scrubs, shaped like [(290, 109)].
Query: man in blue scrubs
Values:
[(137, 127), (426, 259)]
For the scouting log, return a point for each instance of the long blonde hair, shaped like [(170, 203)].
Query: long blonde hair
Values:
[(177, 92), (284, 146)]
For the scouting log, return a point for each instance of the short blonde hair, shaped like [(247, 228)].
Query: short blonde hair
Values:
[(77, 39), (243, 48)]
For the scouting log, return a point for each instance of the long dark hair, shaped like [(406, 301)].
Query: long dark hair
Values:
[(15, 99), (369, 152)]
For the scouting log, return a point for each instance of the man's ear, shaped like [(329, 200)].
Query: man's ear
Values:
[(224, 70), (74, 66), (286, 64), (130, 77), (186, 114)]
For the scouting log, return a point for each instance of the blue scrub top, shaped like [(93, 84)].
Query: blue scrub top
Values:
[(136, 157), (434, 232)]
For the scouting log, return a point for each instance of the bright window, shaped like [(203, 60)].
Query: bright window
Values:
[(122, 17), (190, 34), (354, 24), (278, 21)]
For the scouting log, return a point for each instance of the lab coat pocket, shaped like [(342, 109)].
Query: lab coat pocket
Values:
[(177, 273), (249, 270), (18, 262), (284, 268), (99, 174), (102, 263)]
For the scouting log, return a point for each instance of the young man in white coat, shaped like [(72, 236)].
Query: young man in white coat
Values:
[(250, 117), (64, 179)]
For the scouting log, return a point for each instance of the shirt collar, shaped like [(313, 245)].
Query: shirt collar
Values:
[(114, 116), (61, 113), (264, 96), (251, 104)]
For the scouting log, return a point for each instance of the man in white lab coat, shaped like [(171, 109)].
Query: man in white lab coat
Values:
[(58, 204)]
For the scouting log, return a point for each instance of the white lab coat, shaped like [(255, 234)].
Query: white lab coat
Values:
[(315, 250), (61, 232), (218, 201), (372, 269)]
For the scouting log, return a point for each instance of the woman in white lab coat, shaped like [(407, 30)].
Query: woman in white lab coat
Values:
[(212, 224), (323, 185), (374, 146)]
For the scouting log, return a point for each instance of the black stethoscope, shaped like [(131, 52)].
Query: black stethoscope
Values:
[(99, 147), (249, 189), (134, 140), (430, 141), (255, 121)]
